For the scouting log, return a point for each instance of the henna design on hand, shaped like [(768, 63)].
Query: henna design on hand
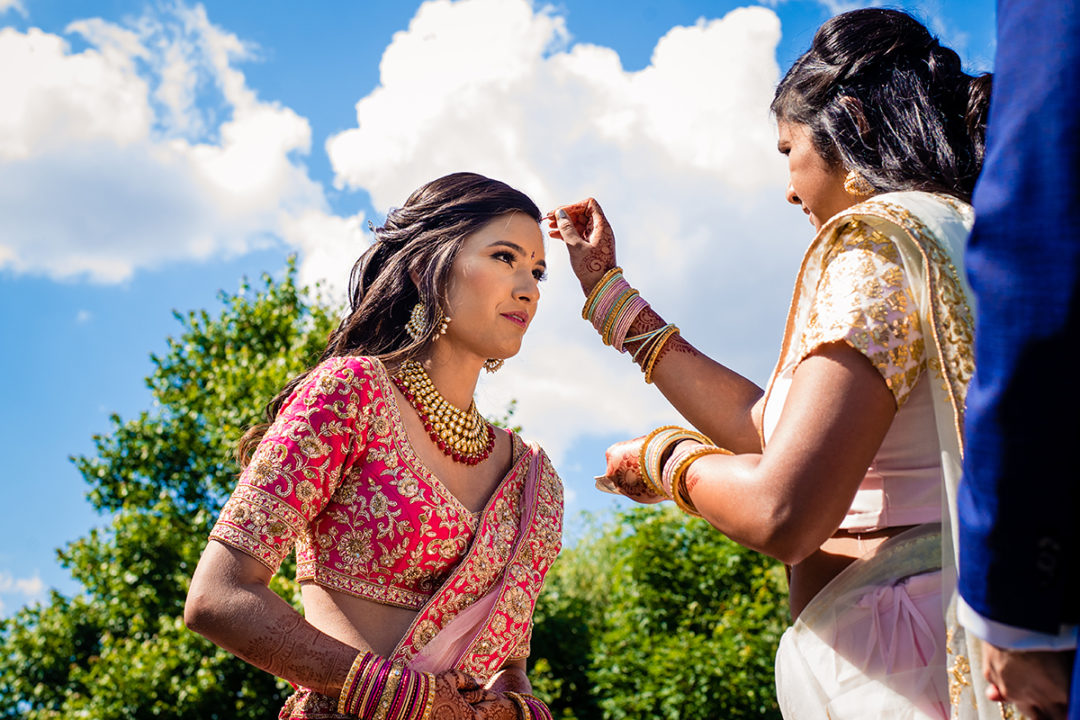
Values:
[(626, 476), (449, 702), (498, 707), (595, 254)]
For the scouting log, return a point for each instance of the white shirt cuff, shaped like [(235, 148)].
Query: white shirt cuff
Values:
[(1012, 637)]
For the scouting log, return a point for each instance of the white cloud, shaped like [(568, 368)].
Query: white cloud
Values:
[(83, 316), (16, 5), (681, 154), (146, 147), (26, 589)]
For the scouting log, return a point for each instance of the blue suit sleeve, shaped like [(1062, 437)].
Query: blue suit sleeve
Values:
[(1019, 504)]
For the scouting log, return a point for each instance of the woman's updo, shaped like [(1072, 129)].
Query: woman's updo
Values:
[(883, 97), (421, 237)]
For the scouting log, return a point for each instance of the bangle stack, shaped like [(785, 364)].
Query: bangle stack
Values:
[(611, 307), (656, 446), (673, 478), (377, 689), (530, 707)]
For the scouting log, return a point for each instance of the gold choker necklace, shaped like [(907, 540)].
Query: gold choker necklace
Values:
[(464, 435)]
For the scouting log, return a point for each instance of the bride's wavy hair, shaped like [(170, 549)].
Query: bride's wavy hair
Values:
[(883, 97), (422, 236)]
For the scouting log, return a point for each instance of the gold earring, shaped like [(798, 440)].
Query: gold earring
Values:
[(417, 324), (417, 320), (441, 325), (858, 186), (493, 364)]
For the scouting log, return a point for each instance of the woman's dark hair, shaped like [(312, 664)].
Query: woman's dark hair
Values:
[(424, 235), (883, 97)]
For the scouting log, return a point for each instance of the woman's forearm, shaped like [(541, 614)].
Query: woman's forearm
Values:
[(716, 400), (787, 501), (230, 604)]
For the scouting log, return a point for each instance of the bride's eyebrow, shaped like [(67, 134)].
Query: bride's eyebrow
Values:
[(518, 249)]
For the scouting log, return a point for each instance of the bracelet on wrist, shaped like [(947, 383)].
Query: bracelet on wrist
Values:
[(655, 447), (674, 474), (524, 712), (377, 689)]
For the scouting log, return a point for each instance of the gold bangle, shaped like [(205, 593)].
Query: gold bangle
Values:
[(388, 693), (613, 315), (678, 488), (596, 290), (350, 678), (644, 466), (429, 701), (653, 449), (654, 353), (523, 707)]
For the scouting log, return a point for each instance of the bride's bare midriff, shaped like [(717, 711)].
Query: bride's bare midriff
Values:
[(828, 561), (362, 623)]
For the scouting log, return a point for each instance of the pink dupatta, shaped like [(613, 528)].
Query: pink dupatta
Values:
[(483, 612)]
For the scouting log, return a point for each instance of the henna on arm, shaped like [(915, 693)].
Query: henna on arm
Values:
[(291, 648), (230, 604), (647, 321)]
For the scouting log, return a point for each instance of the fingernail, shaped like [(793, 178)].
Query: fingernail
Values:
[(562, 214)]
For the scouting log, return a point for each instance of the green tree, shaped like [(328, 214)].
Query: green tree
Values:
[(658, 615), (652, 616), (119, 649)]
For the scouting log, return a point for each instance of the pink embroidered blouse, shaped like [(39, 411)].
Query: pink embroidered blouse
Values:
[(336, 476)]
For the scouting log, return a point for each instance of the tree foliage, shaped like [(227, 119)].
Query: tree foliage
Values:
[(119, 649), (657, 615), (651, 616)]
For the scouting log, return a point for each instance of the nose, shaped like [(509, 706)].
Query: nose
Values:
[(528, 289), (791, 196)]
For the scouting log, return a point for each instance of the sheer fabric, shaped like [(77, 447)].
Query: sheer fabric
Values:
[(927, 233)]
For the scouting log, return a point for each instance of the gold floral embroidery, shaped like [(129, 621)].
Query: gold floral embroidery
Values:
[(952, 321), (959, 679), (863, 298), (336, 477), (507, 631)]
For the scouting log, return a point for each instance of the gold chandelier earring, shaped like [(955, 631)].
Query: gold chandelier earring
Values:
[(857, 186), (417, 324), (493, 364)]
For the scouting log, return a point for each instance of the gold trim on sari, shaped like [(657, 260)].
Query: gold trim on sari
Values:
[(929, 232)]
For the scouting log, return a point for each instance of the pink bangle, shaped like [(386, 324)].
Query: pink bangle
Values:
[(633, 308)]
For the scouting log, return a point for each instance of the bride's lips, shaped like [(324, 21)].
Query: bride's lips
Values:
[(520, 318)]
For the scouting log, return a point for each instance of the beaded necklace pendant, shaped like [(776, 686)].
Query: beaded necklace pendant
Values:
[(463, 435)]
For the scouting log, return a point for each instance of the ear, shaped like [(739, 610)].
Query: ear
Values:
[(414, 275)]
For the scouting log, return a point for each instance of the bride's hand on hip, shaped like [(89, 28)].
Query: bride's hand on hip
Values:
[(496, 707), (624, 473), (455, 693), (588, 237)]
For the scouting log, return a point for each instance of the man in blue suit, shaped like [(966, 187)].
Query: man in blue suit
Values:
[(1019, 502)]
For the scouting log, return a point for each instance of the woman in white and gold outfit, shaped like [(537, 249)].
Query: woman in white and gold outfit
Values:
[(845, 466)]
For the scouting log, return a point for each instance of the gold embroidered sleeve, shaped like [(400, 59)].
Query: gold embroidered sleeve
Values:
[(524, 646), (298, 463), (864, 299)]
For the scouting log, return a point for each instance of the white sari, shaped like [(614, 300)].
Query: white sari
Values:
[(882, 639)]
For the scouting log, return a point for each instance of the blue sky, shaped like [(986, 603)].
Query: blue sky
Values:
[(154, 153)]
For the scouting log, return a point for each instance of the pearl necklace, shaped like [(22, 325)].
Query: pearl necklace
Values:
[(464, 435)]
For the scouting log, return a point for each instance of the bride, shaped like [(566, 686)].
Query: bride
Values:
[(422, 532)]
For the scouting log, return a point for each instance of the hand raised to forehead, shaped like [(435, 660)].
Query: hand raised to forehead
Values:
[(588, 237)]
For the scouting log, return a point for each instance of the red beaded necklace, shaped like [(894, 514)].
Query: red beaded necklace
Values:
[(464, 435)]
